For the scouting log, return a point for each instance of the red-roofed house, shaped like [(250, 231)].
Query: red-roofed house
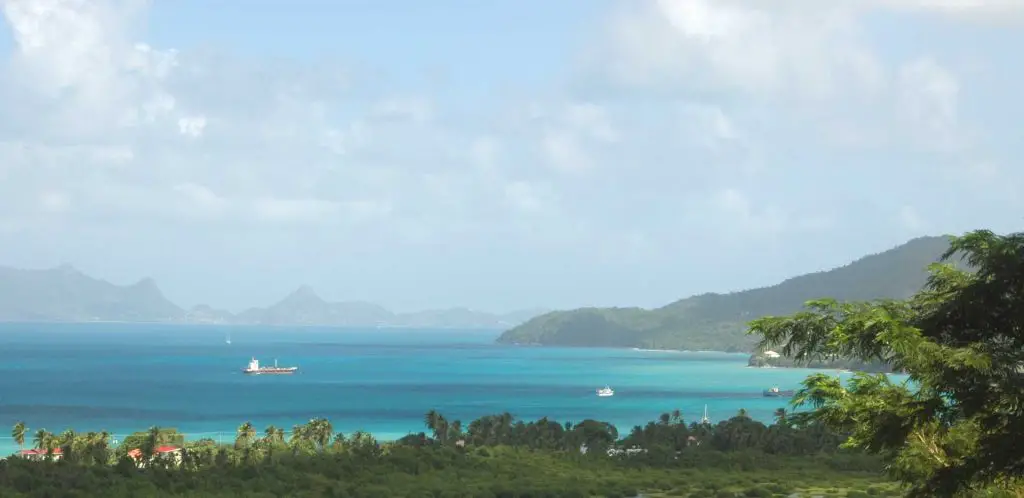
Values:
[(40, 454), (165, 451)]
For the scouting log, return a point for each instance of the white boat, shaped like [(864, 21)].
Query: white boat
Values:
[(227, 338), (605, 392)]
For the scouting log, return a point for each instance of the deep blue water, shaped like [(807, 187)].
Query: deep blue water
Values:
[(127, 377)]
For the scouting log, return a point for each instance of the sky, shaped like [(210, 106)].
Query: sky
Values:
[(499, 155)]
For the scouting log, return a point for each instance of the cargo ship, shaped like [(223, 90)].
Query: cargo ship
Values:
[(255, 368), (776, 393)]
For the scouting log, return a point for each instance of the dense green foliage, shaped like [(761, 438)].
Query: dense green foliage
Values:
[(955, 426), (717, 322), (494, 456)]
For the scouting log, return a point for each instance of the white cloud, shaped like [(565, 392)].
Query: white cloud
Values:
[(75, 52), (564, 151), (591, 120), (911, 219), (527, 198), (572, 133), (54, 202), (691, 120), (483, 153), (762, 49), (286, 210), (201, 201), (708, 123), (929, 95), (986, 10), (740, 213), (415, 109), (192, 127)]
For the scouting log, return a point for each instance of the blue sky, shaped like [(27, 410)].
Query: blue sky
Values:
[(500, 154)]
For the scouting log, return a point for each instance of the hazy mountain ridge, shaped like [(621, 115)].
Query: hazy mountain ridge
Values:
[(65, 294), (718, 321)]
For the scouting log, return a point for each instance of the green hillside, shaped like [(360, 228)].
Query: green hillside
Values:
[(717, 322)]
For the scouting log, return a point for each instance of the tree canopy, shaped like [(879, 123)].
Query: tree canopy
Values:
[(954, 425), (492, 456)]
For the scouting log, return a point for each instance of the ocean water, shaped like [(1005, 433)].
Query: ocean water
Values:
[(128, 377)]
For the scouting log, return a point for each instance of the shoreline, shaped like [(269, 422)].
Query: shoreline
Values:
[(620, 348), (267, 325), (9, 448)]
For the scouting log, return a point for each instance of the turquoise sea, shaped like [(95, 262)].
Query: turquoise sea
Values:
[(127, 377)]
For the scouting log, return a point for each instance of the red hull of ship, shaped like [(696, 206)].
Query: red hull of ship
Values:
[(275, 371)]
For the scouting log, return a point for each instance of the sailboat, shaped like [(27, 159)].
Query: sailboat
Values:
[(705, 419), (227, 340)]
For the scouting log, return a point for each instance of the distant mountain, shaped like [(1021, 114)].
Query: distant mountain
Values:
[(305, 307), (718, 321), (64, 294), (465, 318)]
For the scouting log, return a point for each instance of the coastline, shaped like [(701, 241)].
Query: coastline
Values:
[(9, 448), (200, 323), (628, 348)]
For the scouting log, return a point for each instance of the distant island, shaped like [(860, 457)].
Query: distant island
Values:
[(65, 294), (717, 322)]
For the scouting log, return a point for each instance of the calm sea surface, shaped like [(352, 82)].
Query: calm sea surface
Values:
[(127, 377)]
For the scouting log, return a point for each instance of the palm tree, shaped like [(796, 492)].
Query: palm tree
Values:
[(430, 420), (677, 416), (273, 435), (456, 429), (246, 433), (66, 443), (322, 432), (152, 441), (299, 433), (98, 446), (18, 433), (442, 429), (339, 441), (45, 441), (742, 413), (504, 427), (42, 439)]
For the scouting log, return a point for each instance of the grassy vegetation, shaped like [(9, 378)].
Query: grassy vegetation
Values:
[(446, 472)]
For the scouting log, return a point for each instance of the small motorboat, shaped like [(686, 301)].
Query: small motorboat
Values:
[(605, 392)]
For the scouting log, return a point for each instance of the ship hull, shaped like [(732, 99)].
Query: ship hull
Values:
[(270, 371)]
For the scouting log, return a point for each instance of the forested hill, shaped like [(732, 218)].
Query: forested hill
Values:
[(717, 322)]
